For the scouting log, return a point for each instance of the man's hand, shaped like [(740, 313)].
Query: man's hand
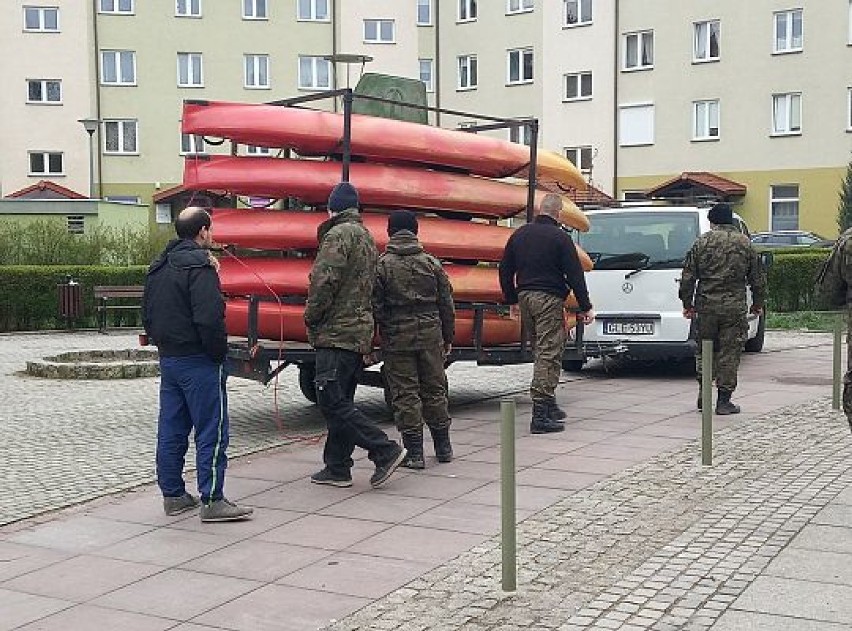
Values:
[(586, 317), (514, 311), (689, 313), (756, 310)]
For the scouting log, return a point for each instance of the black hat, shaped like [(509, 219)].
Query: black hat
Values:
[(343, 196), (402, 220), (721, 214)]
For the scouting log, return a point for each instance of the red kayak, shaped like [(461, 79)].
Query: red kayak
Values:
[(319, 133)]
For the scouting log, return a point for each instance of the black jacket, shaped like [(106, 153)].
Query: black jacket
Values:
[(182, 308), (540, 256)]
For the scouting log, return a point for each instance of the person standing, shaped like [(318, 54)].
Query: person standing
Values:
[(339, 319), (413, 307), (713, 283), (184, 316), (540, 266)]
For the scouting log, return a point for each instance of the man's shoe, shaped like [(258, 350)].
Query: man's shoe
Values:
[(554, 411), (324, 476), (180, 504), (384, 472), (542, 423), (724, 406), (413, 443), (443, 446), (224, 510)]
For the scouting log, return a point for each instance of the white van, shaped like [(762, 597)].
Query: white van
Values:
[(638, 253)]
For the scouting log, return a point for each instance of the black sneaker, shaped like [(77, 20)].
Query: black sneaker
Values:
[(324, 476), (176, 505), (224, 510), (384, 472)]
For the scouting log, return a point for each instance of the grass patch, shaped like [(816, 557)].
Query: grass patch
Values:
[(802, 320)]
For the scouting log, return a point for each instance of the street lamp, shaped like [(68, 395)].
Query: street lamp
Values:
[(91, 126)]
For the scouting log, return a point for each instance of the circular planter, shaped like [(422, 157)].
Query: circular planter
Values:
[(118, 364)]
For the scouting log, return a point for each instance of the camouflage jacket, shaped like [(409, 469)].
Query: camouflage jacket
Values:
[(716, 271), (835, 277), (412, 299), (339, 312)]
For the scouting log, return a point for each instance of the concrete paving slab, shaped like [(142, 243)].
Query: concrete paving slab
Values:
[(460, 516), (822, 602), (88, 618), (558, 478), (79, 534), (302, 496), (530, 498), (417, 544), (17, 559), (256, 560), (834, 515), (582, 463), (381, 507), (812, 565), (749, 621), (437, 487), (324, 532), (19, 608), (827, 538), (166, 547), (261, 521)]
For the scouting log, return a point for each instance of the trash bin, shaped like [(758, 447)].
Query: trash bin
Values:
[(70, 301)]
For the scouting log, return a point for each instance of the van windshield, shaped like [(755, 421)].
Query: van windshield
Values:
[(627, 240)]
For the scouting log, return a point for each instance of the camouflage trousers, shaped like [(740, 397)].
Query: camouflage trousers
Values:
[(543, 318), (847, 377), (418, 388), (728, 333)]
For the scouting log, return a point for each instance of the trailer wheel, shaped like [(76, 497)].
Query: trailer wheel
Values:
[(307, 373), (572, 365)]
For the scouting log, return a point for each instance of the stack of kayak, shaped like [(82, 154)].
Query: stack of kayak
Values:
[(451, 178)]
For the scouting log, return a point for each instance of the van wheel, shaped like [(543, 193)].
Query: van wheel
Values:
[(755, 344), (572, 365), (307, 373)]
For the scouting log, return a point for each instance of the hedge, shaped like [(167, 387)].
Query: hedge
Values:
[(792, 280)]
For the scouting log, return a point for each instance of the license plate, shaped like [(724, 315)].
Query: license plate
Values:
[(628, 328)]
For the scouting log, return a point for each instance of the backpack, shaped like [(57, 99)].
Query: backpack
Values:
[(830, 281)]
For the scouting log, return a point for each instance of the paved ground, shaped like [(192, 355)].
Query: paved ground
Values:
[(620, 525)]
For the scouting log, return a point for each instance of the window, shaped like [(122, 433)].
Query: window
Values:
[(257, 151), (706, 45), (636, 125), (254, 10), (578, 12), (123, 199), (786, 114), (76, 224), (116, 6), (639, 50), (467, 72), (191, 144), (314, 73), (578, 86), (424, 12), (467, 10), (313, 11), (257, 71), (522, 135), (581, 157), (850, 22), (120, 136), (45, 19), (705, 120), (519, 6), (46, 163), (788, 31), (44, 91), (849, 110), (784, 207), (190, 73), (188, 8), (426, 74), (379, 31), (163, 213), (520, 68), (118, 67)]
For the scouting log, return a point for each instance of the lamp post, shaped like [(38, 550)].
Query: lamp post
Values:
[(91, 126)]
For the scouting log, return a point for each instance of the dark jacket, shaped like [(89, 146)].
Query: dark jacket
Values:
[(182, 308), (412, 299), (540, 256)]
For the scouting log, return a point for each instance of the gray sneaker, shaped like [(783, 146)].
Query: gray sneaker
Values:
[(224, 510), (180, 504)]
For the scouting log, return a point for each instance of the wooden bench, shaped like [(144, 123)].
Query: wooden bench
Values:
[(125, 293)]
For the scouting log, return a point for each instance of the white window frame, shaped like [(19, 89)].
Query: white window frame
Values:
[(522, 54), (313, 13), (251, 9), (849, 109), (254, 151), (786, 100), (120, 80), (41, 12), (850, 24), (46, 158), (701, 36), (622, 110), (425, 4), (578, 78), (315, 61), (467, 11), (121, 127), (471, 65), (44, 91), (583, 157), (379, 25), (773, 199), (192, 60), (788, 44), (257, 61), (641, 45), (702, 120), (521, 6), (191, 144), (430, 64), (188, 8), (583, 11), (515, 135), (116, 7)]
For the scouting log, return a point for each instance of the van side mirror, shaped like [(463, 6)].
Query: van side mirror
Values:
[(766, 259)]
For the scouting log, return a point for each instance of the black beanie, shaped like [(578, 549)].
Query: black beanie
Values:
[(402, 220), (721, 214), (343, 196)]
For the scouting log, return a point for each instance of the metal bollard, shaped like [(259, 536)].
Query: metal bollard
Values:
[(507, 496), (838, 362), (707, 402)]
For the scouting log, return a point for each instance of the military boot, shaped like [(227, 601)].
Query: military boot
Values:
[(443, 447), (412, 440), (724, 405), (541, 423), (554, 411)]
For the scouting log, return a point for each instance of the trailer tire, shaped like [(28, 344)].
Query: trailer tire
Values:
[(307, 374), (572, 365)]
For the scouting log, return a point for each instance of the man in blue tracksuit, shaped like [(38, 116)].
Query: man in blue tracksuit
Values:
[(184, 315)]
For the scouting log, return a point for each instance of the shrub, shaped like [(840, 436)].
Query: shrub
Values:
[(791, 280)]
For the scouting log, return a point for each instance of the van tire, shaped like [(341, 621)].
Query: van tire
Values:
[(755, 344), (572, 365)]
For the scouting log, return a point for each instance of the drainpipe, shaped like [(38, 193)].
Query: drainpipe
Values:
[(97, 79), (437, 82), (615, 106), (334, 44)]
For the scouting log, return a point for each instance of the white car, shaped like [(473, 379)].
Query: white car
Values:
[(638, 253)]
